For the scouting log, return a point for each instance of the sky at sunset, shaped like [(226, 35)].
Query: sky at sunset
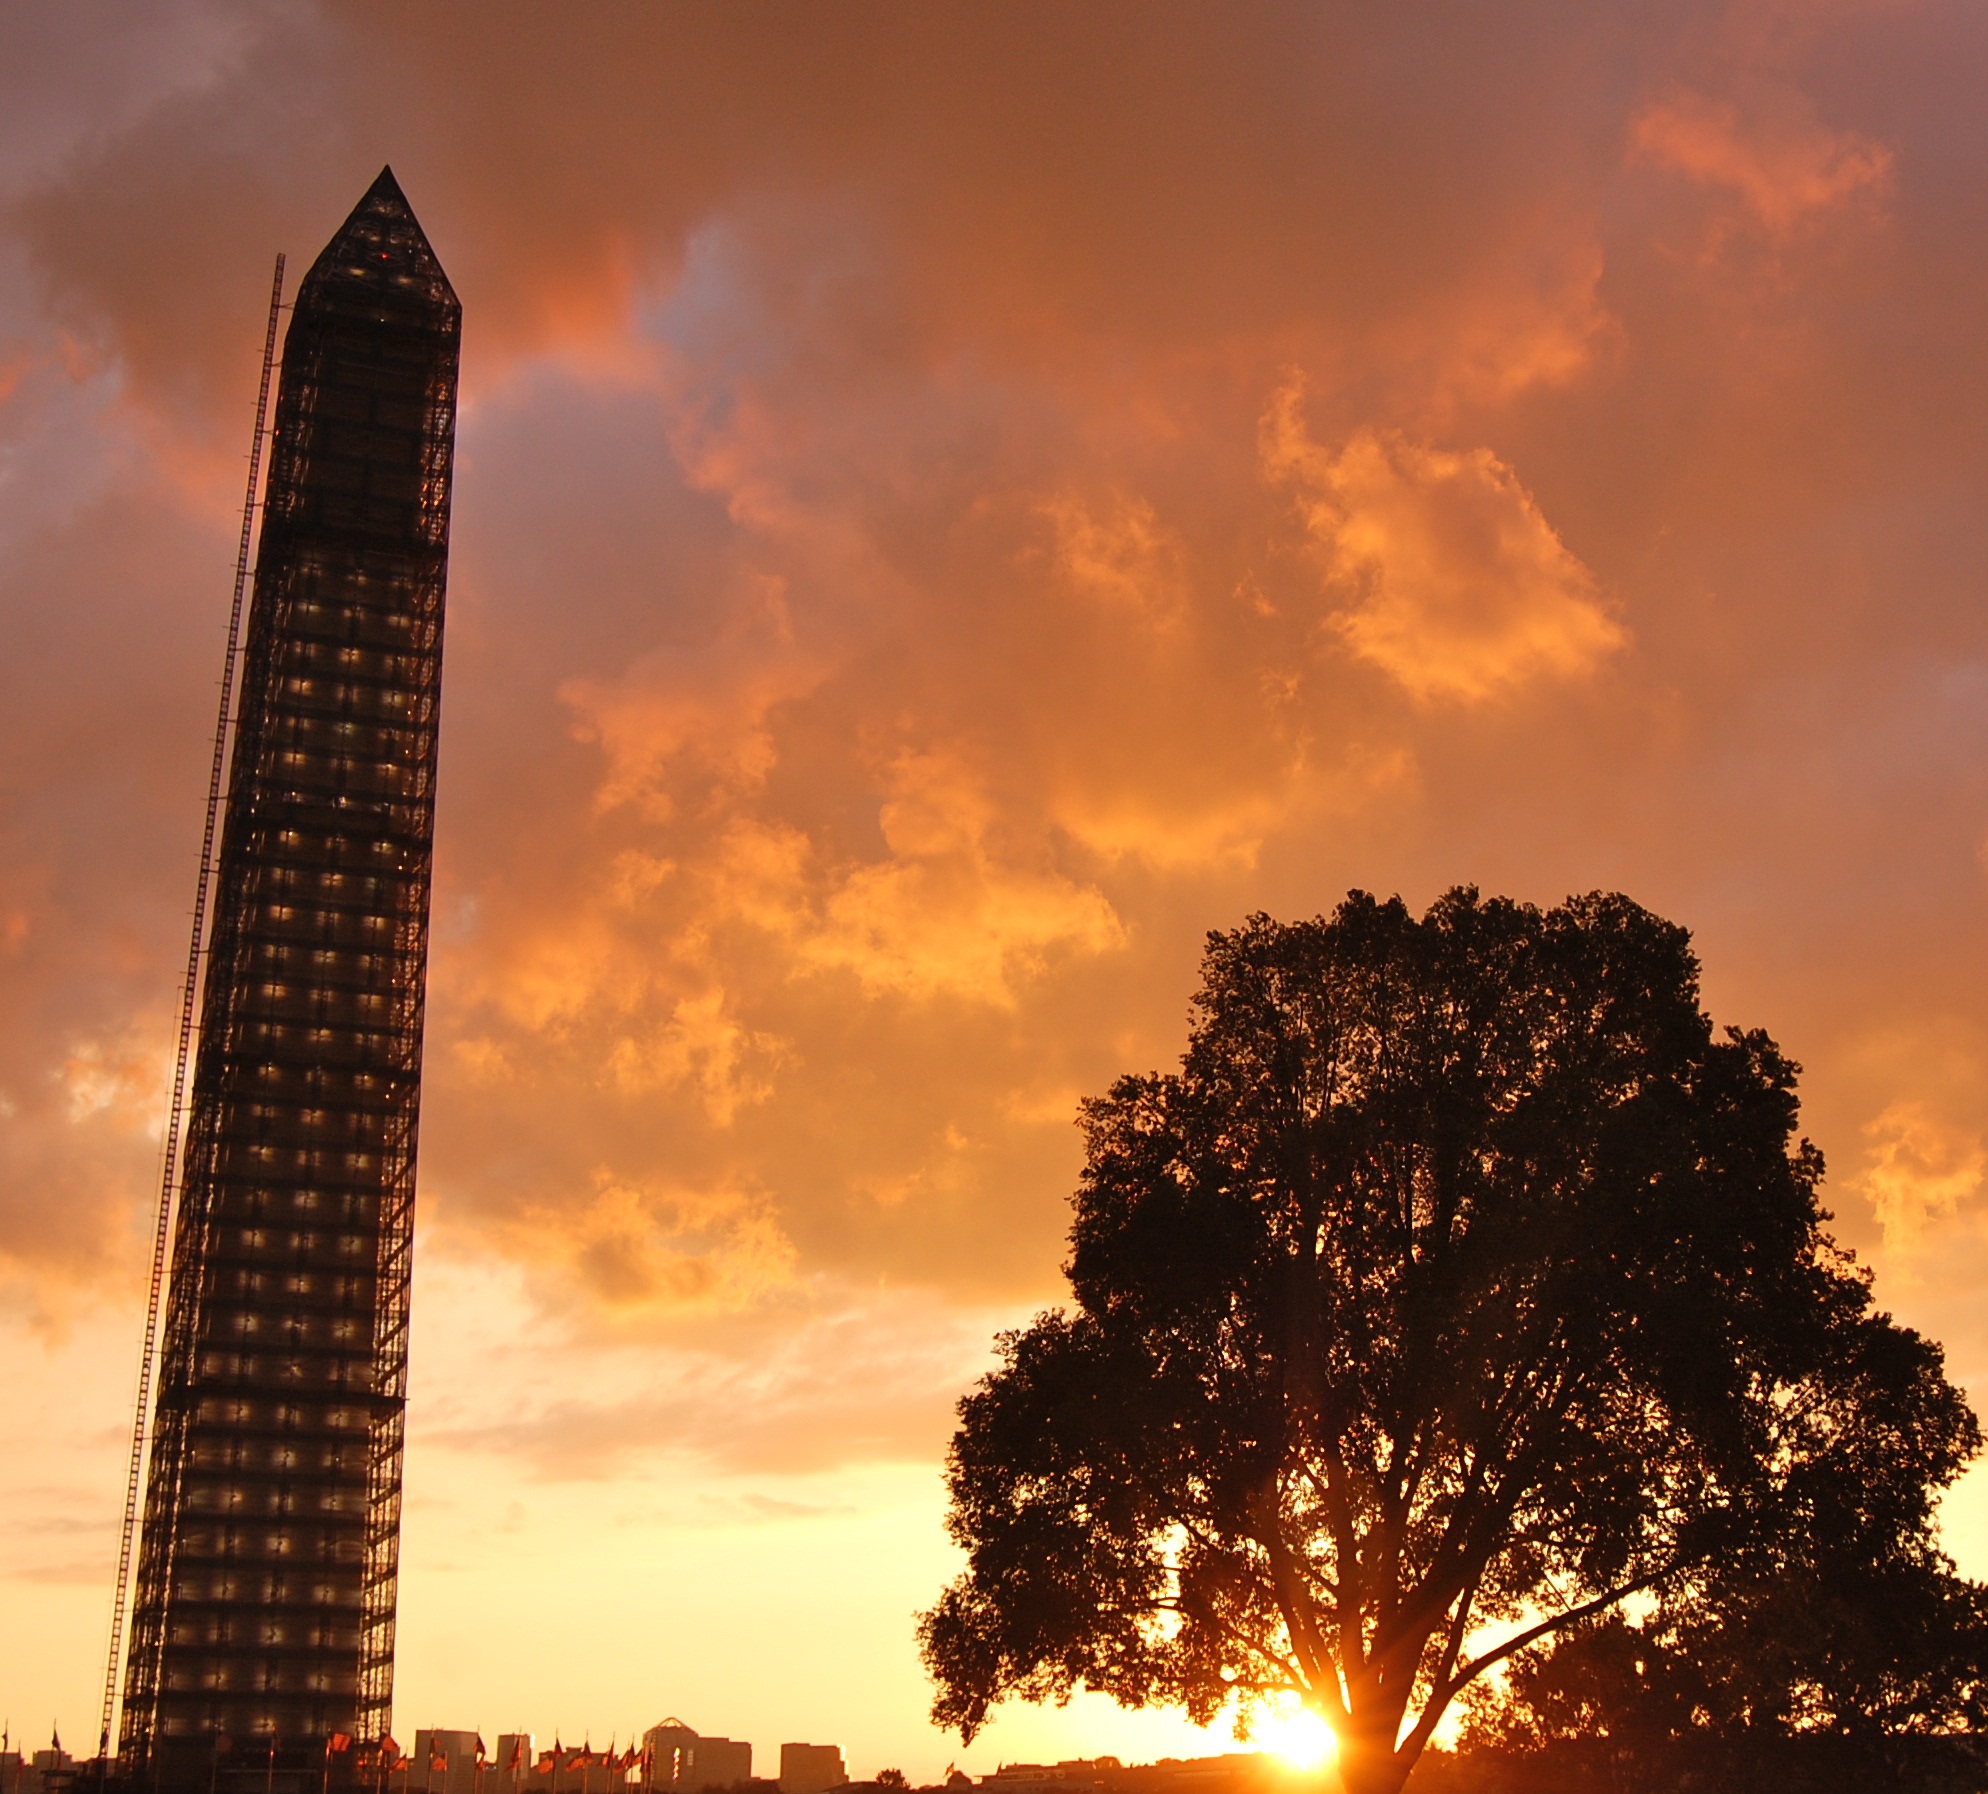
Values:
[(953, 502)]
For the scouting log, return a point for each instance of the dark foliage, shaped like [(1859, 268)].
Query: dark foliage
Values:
[(1461, 1284), (1823, 1665)]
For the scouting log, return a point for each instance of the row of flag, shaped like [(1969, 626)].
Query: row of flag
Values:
[(557, 1758)]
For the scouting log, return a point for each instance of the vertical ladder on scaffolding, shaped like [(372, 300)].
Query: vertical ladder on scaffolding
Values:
[(189, 995)]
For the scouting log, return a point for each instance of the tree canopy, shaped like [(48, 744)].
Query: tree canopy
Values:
[(1837, 1650), (1463, 1283)]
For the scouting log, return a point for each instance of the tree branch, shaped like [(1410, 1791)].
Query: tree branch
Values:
[(1315, 1657), (1478, 1665)]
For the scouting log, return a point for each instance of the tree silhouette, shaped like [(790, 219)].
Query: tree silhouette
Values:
[(1839, 1650), (1462, 1284)]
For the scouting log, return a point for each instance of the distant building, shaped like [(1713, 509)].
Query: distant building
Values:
[(1074, 1775), (444, 1762), (580, 1769), (509, 1770), (668, 1750), (811, 1768), (718, 1763), (454, 1762), (682, 1759), (50, 1771), (1239, 1772)]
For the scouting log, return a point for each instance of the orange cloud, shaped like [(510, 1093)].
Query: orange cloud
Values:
[(1443, 571), (709, 710), (950, 913), (704, 1045), (648, 1252), (1785, 168), (1919, 1169), (1120, 553), (858, 1376), (124, 1080), (1538, 325)]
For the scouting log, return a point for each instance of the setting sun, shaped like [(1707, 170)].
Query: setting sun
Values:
[(1301, 1738)]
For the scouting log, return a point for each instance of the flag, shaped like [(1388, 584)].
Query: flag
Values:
[(436, 1760), (481, 1754), (337, 1742), (546, 1762), (389, 1750), (517, 1761)]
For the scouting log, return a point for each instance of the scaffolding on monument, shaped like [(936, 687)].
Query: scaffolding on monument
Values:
[(266, 1584), (189, 993)]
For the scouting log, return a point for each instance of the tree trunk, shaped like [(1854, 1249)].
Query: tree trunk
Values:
[(1371, 1766)]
